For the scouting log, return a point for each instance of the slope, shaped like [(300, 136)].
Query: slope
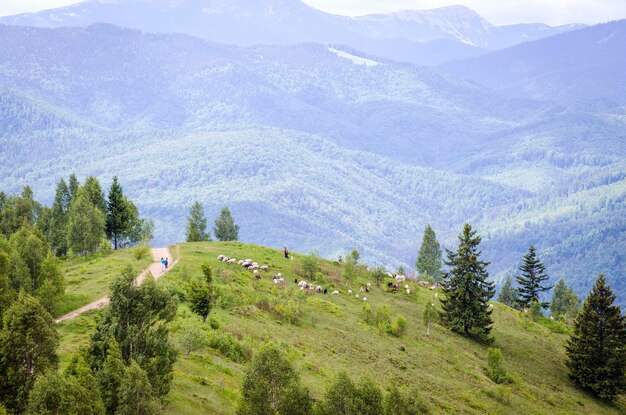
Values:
[(324, 334)]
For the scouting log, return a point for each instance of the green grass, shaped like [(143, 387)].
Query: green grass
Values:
[(88, 279), (330, 335)]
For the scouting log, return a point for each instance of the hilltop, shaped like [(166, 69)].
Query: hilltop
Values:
[(323, 334)]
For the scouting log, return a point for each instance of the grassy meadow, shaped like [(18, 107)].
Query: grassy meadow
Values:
[(325, 334)]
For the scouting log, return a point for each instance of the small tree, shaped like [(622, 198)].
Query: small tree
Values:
[(430, 316), (85, 227), (196, 224), (596, 350), (378, 274), (117, 218), (272, 386), (429, 258), (495, 366), (111, 376), (564, 301), (355, 255), (344, 397), (398, 327), (309, 265), (202, 294), (531, 281), (136, 395), (225, 228), (507, 294), (28, 343), (467, 289), (402, 403), (192, 337)]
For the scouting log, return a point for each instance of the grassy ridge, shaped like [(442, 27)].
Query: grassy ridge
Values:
[(323, 334)]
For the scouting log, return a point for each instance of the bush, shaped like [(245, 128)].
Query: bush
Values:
[(404, 403), (368, 316), (289, 311), (383, 320), (535, 311), (140, 252), (192, 337), (229, 346), (399, 326), (495, 368), (105, 248)]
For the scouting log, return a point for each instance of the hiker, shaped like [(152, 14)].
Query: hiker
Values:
[(286, 253), (162, 264), (167, 262)]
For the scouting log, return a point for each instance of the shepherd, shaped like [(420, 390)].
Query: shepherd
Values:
[(286, 253)]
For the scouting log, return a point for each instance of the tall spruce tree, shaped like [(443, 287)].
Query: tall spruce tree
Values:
[(117, 213), (565, 302), (429, 258), (28, 343), (596, 350), (196, 224), (507, 293), (58, 219), (531, 282), (73, 185), (225, 228), (467, 291)]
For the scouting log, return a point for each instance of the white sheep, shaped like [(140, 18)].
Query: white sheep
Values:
[(357, 296), (219, 258), (408, 291), (362, 289), (279, 275), (281, 280), (369, 285), (319, 288), (335, 292), (264, 268), (349, 291), (364, 298), (248, 260), (240, 262), (255, 272), (231, 261), (400, 278), (406, 287), (490, 307)]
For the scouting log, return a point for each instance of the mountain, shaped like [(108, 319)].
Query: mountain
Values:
[(406, 36), (584, 64), (315, 147)]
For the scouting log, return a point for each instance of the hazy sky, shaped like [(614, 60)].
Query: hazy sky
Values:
[(496, 11)]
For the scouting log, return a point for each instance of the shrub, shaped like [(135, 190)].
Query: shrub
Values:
[(192, 337), (105, 248), (399, 326), (368, 316), (535, 311), (383, 321), (289, 311), (140, 252), (495, 368), (228, 345)]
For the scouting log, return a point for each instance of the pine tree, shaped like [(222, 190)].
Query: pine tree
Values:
[(564, 301), (117, 218), (531, 281), (196, 224), (202, 294), (225, 228), (28, 343), (85, 225), (429, 258), (596, 350), (95, 194), (272, 386), (73, 186), (136, 395), (467, 291), (58, 219), (507, 293)]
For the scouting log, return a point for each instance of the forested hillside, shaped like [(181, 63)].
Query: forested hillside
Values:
[(314, 151)]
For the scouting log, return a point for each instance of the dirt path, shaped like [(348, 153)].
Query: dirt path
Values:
[(155, 268)]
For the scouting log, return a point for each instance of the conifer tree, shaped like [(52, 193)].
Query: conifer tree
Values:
[(117, 218), (507, 293), (196, 224), (564, 301), (531, 281), (28, 343), (73, 186), (596, 350), (467, 291), (202, 294), (225, 228), (429, 258), (95, 194), (85, 225), (58, 219)]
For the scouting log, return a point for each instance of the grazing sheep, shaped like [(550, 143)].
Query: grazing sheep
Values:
[(281, 280), (423, 283), (248, 260), (255, 272), (318, 289), (368, 285), (400, 278), (389, 274), (335, 292), (362, 290), (258, 277), (240, 262), (231, 261), (275, 281), (295, 280), (367, 289), (279, 275), (396, 287), (264, 268), (349, 291), (406, 287), (364, 298), (219, 258), (408, 291), (357, 296), (390, 284), (490, 307), (325, 291), (436, 295), (434, 287)]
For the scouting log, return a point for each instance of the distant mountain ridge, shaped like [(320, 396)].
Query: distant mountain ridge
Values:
[(404, 36)]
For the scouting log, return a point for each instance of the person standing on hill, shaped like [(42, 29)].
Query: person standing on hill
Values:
[(167, 262), (162, 264), (286, 253)]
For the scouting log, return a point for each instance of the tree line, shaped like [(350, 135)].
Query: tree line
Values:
[(224, 228)]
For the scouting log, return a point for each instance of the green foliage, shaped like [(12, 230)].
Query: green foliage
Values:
[(94, 193), (110, 377), (136, 394), (344, 397), (354, 255), (495, 366), (141, 251), (28, 343), (535, 311), (429, 258), (85, 225), (137, 317), (201, 294), (192, 336), (378, 274), (467, 289), (57, 234), (309, 265), (228, 345), (398, 327), (507, 294), (80, 372), (596, 350), (430, 316), (272, 386), (17, 210), (349, 268), (531, 282), (73, 186), (564, 301), (104, 247), (122, 216), (196, 224), (404, 403), (225, 228)]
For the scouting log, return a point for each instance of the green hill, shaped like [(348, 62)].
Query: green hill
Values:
[(324, 334)]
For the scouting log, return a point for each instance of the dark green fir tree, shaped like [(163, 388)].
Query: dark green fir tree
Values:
[(532, 281), (429, 261), (507, 293)]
